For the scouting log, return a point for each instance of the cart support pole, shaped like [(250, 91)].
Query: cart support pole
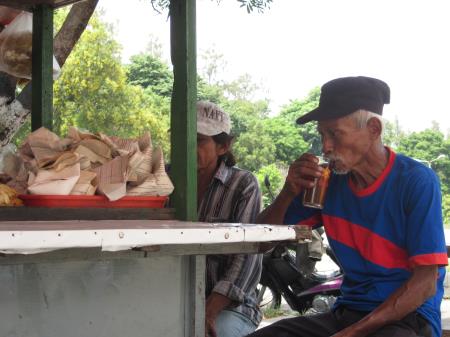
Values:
[(42, 71), (183, 123)]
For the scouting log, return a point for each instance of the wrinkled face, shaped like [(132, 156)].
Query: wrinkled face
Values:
[(208, 152), (343, 143)]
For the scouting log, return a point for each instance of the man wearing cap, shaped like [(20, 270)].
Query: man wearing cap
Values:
[(382, 216), (226, 194)]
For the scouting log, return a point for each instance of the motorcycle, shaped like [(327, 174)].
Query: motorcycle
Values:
[(289, 271)]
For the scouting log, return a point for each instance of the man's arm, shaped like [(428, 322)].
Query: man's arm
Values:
[(411, 295), (215, 303), (299, 177), (274, 213), (244, 270)]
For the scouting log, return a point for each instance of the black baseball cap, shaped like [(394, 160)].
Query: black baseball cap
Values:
[(345, 95)]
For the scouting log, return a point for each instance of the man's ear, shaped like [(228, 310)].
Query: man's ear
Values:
[(222, 148), (375, 127)]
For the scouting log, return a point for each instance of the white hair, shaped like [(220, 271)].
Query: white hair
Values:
[(362, 117)]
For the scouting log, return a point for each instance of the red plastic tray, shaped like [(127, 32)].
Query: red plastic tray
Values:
[(97, 201)]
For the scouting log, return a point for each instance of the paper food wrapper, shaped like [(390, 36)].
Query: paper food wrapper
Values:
[(67, 159), (86, 184), (158, 183), (54, 182), (112, 178), (44, 146), (75, 136), (85, 164), (140, 167)]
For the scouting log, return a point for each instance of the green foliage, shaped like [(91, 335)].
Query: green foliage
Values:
[(259, 5), (392, 134), (277, 312), (254, 149), (446, 210), (209, 92), (426, 146), (151, 72), (308, 132), (245, 115), (93, 93), (289, 143), (23, 132), (250, 5), (242, 88), (298, 108), (275, 177)]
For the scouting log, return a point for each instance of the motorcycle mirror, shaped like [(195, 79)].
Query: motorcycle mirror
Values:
[(267, 181), (267, 184)]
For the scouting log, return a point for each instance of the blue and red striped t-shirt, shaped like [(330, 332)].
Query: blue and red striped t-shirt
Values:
[(380, 233)]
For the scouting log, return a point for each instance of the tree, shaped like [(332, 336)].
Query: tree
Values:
[(275, 176), (446, 210), (245, 114), (308, 131), (254, 149), (428, 145), (213, 63), (243, 88), (392, 133), (151, 72), (297, 108), (209, 92), (288, 142), (93, 93)]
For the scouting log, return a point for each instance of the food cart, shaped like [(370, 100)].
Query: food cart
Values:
[(116, 272)]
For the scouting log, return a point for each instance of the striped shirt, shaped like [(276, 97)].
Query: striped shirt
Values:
[(233, 196)]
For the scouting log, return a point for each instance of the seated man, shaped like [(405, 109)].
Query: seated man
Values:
[(226, 194), (382, 216)]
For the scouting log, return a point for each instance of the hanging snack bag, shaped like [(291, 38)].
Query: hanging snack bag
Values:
[(16, 48)]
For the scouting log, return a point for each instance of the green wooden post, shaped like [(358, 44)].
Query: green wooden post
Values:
[(42, 71), (183, 123)]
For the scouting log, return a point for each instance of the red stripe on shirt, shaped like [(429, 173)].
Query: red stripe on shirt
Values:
[(372, 188), (371, 246), (429, 259), (316, 219)]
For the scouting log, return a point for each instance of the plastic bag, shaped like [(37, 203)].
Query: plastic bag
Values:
[(16, 48), (7, 14)]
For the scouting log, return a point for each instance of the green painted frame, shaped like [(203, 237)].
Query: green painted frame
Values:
[(42, 68), (183, 123)]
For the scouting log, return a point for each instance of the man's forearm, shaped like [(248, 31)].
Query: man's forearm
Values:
[(215, 303), (405, 300), (274, 214)]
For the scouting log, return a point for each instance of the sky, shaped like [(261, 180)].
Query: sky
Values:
[(297, 45)]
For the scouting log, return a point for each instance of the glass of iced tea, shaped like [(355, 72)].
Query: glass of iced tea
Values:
[(315, 197)]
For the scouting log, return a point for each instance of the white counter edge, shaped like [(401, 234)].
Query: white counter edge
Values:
[(38, 241)]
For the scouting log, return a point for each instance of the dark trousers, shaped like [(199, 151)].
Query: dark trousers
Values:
[(327, 324)]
